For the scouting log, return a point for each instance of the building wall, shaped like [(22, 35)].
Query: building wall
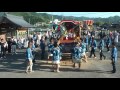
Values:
[(15, 33), (21, 33)]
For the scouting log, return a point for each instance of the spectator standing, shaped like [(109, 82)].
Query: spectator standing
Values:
[(108, 43), (29, 58), (101, 48), (14, 44), (114, 54), (9, 45)]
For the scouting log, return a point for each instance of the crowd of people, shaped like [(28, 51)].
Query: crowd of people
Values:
[(87, 43), (7, 46)]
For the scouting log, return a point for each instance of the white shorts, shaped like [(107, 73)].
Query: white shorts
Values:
[(29, 61), (76, 60), (56, 62), (60, 58), (83, 54), (50, 55)]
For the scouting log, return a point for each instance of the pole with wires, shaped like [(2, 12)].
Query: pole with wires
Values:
[(28, 29)]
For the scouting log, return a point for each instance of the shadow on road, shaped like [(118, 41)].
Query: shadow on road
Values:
[(16, 63), (96, 71), (83, 70)]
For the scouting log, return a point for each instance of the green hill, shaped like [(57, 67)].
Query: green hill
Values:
[(34, 17)]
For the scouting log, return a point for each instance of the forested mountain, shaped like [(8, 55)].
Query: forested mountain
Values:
[(34, 17)]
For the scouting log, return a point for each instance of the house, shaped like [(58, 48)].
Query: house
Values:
[(11, 25)]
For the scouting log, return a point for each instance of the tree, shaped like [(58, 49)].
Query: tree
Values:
[(44, 17), (98, 23)]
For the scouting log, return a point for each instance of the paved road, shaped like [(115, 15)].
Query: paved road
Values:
[(14, 67)]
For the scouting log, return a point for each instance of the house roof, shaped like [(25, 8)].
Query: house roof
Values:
[(72, 21), (18, 21)]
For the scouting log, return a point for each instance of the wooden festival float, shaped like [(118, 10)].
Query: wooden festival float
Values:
[(69, 33)]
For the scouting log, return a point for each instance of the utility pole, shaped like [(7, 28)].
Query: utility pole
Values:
[(62, 15), (52, 21), (52, 18), (28, 29), (79, 29)]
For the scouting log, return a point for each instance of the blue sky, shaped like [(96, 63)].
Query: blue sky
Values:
[(86, 14)]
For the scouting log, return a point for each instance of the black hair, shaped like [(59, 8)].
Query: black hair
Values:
[(29, 44), (55, 44), (92, 38), (113, 43), (51, 39), (45, 37), (31, 39), (81, 39)]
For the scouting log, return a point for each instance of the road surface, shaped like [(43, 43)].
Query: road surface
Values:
[(14, 67)]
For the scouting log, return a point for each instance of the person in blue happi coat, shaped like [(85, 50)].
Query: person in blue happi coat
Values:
[(86, 40), (56, 57), (50, 47), (114, 54), (93, 46), (83, 45), (108, 43), (101, 47), (77, 55), (29, 58)]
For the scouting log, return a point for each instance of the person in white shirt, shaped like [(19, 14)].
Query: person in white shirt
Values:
[(19, 43), (6, 47), (14, 44), (39, 38), (15, 40), (25, 43), (22, 40), (116, 38)]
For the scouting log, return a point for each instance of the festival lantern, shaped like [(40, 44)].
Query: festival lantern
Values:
[(91, 22)]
